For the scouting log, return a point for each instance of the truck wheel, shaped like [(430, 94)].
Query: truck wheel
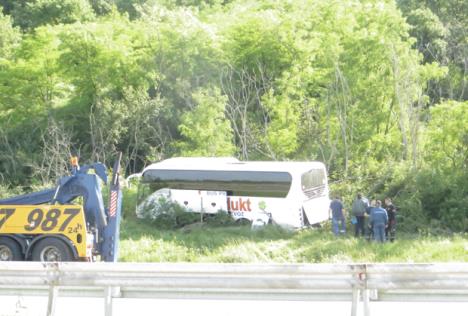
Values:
[(51, 249), (10, 250)]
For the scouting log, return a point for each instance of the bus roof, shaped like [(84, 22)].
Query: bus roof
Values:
[(233, 164)]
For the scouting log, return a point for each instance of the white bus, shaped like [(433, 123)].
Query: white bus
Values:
[(291, 194)]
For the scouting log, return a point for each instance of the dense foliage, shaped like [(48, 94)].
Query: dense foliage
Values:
[(375, 89)]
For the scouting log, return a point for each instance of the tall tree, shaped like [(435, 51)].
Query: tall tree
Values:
[(441, 30), (9, 36), (31, 14), (205, 130)]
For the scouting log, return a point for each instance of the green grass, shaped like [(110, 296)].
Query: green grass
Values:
[(141, 242)]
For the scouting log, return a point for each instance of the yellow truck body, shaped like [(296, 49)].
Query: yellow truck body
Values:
[(67, 221)]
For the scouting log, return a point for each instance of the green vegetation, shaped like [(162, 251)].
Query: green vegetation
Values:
[(376, 89), (142, 242), (183, 238)]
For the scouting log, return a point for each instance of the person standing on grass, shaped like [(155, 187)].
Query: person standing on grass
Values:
[(379, 221), (338, 216), (369, 228), (391, 212), (359, 210)]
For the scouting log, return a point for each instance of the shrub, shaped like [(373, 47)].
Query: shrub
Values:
[(221, 218), (163, 213), (410, 213), (129, 202)]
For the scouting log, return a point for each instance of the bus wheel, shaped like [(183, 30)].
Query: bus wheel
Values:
[(243, 222), (51, 249), (10, 250)]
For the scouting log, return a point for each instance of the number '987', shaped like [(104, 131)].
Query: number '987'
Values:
[(47, 220)]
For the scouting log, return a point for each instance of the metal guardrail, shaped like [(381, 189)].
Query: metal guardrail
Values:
[(305, 282)]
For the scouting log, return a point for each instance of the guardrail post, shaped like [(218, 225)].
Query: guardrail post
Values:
[(359, 286), (355, 302), (53, 291), (365, 292), (109, 293), (365, 298), (108, 301), (52, 278)]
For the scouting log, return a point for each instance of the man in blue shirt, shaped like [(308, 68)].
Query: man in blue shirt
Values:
[(379, 220), (337, 215)]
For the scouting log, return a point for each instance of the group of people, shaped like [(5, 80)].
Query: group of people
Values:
[(381, 222)]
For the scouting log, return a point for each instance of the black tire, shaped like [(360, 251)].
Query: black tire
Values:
[(10, 250), (243, 222), (51, 249)]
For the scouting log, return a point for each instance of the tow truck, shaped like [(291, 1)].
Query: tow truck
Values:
[(46, 226)]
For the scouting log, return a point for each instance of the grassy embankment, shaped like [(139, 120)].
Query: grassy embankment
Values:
[(141, 242)]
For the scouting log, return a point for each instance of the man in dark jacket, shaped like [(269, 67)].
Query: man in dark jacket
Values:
[(391, 212), (379, 220), (359, 210)]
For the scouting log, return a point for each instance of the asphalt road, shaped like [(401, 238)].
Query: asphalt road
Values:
[(37, 306)]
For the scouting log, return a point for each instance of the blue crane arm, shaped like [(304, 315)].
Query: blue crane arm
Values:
[(34, 198), (86, 186)]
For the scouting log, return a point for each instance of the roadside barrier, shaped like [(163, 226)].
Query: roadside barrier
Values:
[(302, 282)]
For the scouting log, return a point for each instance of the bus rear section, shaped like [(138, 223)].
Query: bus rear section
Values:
[(315, 192)]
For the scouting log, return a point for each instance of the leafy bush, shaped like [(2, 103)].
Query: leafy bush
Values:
[(161, 212), (6, 192), (129, 202), (444, 199), (411, 217), (164, 213)]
